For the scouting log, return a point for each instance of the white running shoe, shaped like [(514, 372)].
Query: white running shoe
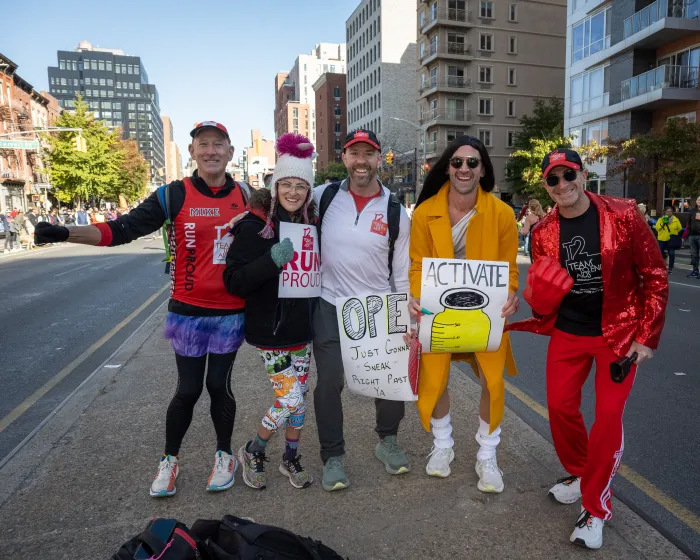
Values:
[(490, 476), (566, 490), (164, 483), (588, 531), (439, 463), (223, 473)]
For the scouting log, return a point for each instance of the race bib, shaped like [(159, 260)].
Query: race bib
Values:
[(222, 243), (378, 225)]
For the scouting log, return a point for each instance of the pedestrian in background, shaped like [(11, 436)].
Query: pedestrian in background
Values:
[(10, 234), (81, 217), (692, 233), (669, 228), (534, 215)]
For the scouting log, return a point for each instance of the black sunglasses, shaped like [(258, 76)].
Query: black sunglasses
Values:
[(472, 162), (553, 180)]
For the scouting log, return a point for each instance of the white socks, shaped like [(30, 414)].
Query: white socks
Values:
[(488, 442), (442, 432)]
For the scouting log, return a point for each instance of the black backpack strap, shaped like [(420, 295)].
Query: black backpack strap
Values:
[(326, 198), (394, 221)]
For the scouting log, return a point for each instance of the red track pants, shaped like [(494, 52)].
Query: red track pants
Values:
[(596, 458)]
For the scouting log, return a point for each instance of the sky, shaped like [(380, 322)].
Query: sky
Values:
[(210, 60)]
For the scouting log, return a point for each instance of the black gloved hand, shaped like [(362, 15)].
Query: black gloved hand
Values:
[(46, 233)]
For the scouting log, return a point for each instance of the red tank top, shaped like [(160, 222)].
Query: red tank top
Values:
[(201, 243)]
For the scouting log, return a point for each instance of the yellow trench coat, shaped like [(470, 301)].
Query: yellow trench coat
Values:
[(491, 235)]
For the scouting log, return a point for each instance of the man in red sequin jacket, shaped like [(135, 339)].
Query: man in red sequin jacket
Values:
[(598, 287)]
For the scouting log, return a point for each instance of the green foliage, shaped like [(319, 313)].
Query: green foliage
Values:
[(132, 173), (336, 171), (530, 165)]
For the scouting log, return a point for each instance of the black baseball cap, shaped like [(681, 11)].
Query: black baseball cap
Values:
[(362, 135), (561, 157)]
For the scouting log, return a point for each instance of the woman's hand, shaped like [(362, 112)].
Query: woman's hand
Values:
[(414, 309), (511, 307)]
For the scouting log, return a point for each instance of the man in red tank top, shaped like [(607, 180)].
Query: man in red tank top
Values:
[(205, 322)]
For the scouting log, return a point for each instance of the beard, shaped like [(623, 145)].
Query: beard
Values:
[(363, 180)]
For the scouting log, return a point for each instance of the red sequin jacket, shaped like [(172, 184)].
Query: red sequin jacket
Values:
[(635, 281)]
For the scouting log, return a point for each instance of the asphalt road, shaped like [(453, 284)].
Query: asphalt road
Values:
[(662, 416), (55, 305)]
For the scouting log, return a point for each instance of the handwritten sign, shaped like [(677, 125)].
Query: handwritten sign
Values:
[(301, 277), (465, 299), (375, 356)]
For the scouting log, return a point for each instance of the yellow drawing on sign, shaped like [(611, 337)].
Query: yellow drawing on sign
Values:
[(462, 326)]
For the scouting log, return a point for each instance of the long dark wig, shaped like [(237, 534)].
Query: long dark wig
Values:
[(438, 174)]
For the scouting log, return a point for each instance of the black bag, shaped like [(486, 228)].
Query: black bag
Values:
[(675, 242), (234, 538), (181, 544)]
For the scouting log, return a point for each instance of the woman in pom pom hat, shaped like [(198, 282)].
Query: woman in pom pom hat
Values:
[(279, 327)]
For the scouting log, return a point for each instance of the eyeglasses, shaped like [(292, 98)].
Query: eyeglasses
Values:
[(472, 162), (293, 188), (569, 175)]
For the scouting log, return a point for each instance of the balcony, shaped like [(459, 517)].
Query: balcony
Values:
[(450, 51), (661, 78), (451, 84), (450, 17), (446, 116), (685, 9)]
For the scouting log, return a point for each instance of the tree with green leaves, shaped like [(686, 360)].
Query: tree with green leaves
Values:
[(336, 172), (132, 173), (530, 165), (545, 124), (82, 175)]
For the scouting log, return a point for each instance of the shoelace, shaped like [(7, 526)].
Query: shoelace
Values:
[(491, 466), (165, 468), (296, 464), (585, 519), (334, 463), (392, 446), (259, 460), (568, 480), (438, 452), (221, 464)]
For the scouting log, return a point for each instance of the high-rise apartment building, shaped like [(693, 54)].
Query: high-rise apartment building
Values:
[(381, 44), (116, 88), (331, 117), (173, 159), (630, 66), (482, 65)]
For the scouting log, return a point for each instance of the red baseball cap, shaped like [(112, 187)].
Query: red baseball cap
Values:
[(209, 124), (362, 135), (561, 157)]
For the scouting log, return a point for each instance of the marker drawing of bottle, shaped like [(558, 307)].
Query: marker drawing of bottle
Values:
[(462, 326)]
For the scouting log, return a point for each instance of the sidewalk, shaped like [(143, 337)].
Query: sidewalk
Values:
[(80, 487)]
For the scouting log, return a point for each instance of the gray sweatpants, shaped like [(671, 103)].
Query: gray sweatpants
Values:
[(330, 383)]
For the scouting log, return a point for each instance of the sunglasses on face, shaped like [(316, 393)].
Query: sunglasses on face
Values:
[(472, 162), (553, 180)]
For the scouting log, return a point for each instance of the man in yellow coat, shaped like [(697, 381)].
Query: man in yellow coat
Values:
[(456, 216)]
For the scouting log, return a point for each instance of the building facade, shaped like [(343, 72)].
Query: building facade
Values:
[(482, 65), (331, 118), (23, 110), (173, 159), (117, 89), (381, 39), (631, 66)]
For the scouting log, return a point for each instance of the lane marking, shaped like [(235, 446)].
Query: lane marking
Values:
[(66, 371), (679, 373), (633, 477), (686, 285), (72, 270)]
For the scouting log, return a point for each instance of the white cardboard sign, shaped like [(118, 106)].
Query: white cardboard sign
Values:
[(465, 299), (375, 356), (301, 277)]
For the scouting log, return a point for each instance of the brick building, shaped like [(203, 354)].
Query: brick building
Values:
[(331, 118)]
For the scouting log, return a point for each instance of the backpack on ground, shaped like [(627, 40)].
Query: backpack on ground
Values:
[(234, 538), (165, 539), (393, 217)]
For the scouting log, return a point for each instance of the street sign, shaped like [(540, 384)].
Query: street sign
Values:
[(19, 144)]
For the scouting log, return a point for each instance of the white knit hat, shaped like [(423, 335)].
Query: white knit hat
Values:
[(294, 160)]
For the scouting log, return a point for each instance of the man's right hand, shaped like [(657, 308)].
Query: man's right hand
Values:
[(46, 233), (547, 285)]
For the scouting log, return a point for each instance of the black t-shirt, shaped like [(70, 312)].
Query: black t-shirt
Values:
[(581, 311)]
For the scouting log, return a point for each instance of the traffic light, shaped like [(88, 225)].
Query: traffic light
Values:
[(79, 144), (390, 158)]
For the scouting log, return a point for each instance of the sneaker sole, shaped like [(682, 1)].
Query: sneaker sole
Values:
[(229, 484), (487, 488), (336, 486), (163, 494), (553, 497), (582, 544), (249, 484), (401, 470), (286, 473), (438, 474)]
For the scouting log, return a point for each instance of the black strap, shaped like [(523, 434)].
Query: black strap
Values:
[(326, 198), (394, 221), (152, 542)]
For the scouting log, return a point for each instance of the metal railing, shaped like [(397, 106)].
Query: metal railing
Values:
[(457, 82), (446, 114), (684, 9), (666, 76), (446, 14), (430, 50), (458, 48)]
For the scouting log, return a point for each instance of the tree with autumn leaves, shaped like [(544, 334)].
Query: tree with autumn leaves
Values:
[(111, 167)]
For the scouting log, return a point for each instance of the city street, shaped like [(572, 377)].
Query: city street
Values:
[(661, 417), (66, 310)]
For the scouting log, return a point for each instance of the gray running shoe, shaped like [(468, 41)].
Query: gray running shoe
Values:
[(253, 468), (334, 474), (292, 469), (389, 452)]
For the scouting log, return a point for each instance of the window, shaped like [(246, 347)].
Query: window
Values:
[(512, 44), (485, 137), (486, 41), (591, 35), (118, 68), (109, 66), (511, 77), (485, 74), (338, 144), (590, 90), (101, 65), (510, 108), (595, 132), (93, 64), (513, 13), (455, 43), (485, 9), (105, 105), (137, 85), (690, 117), (486, 106), (103, 82), (62, 64), (510, 138)]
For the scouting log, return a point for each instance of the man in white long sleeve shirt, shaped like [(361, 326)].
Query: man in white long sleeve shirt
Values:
[(355, 259)]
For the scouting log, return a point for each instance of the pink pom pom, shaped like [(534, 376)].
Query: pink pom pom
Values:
[(295, 145)]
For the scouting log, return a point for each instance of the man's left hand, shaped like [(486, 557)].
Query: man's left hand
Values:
[(511, 307), (643, 352)]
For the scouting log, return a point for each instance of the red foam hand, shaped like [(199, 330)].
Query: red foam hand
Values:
[(547, 285)]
